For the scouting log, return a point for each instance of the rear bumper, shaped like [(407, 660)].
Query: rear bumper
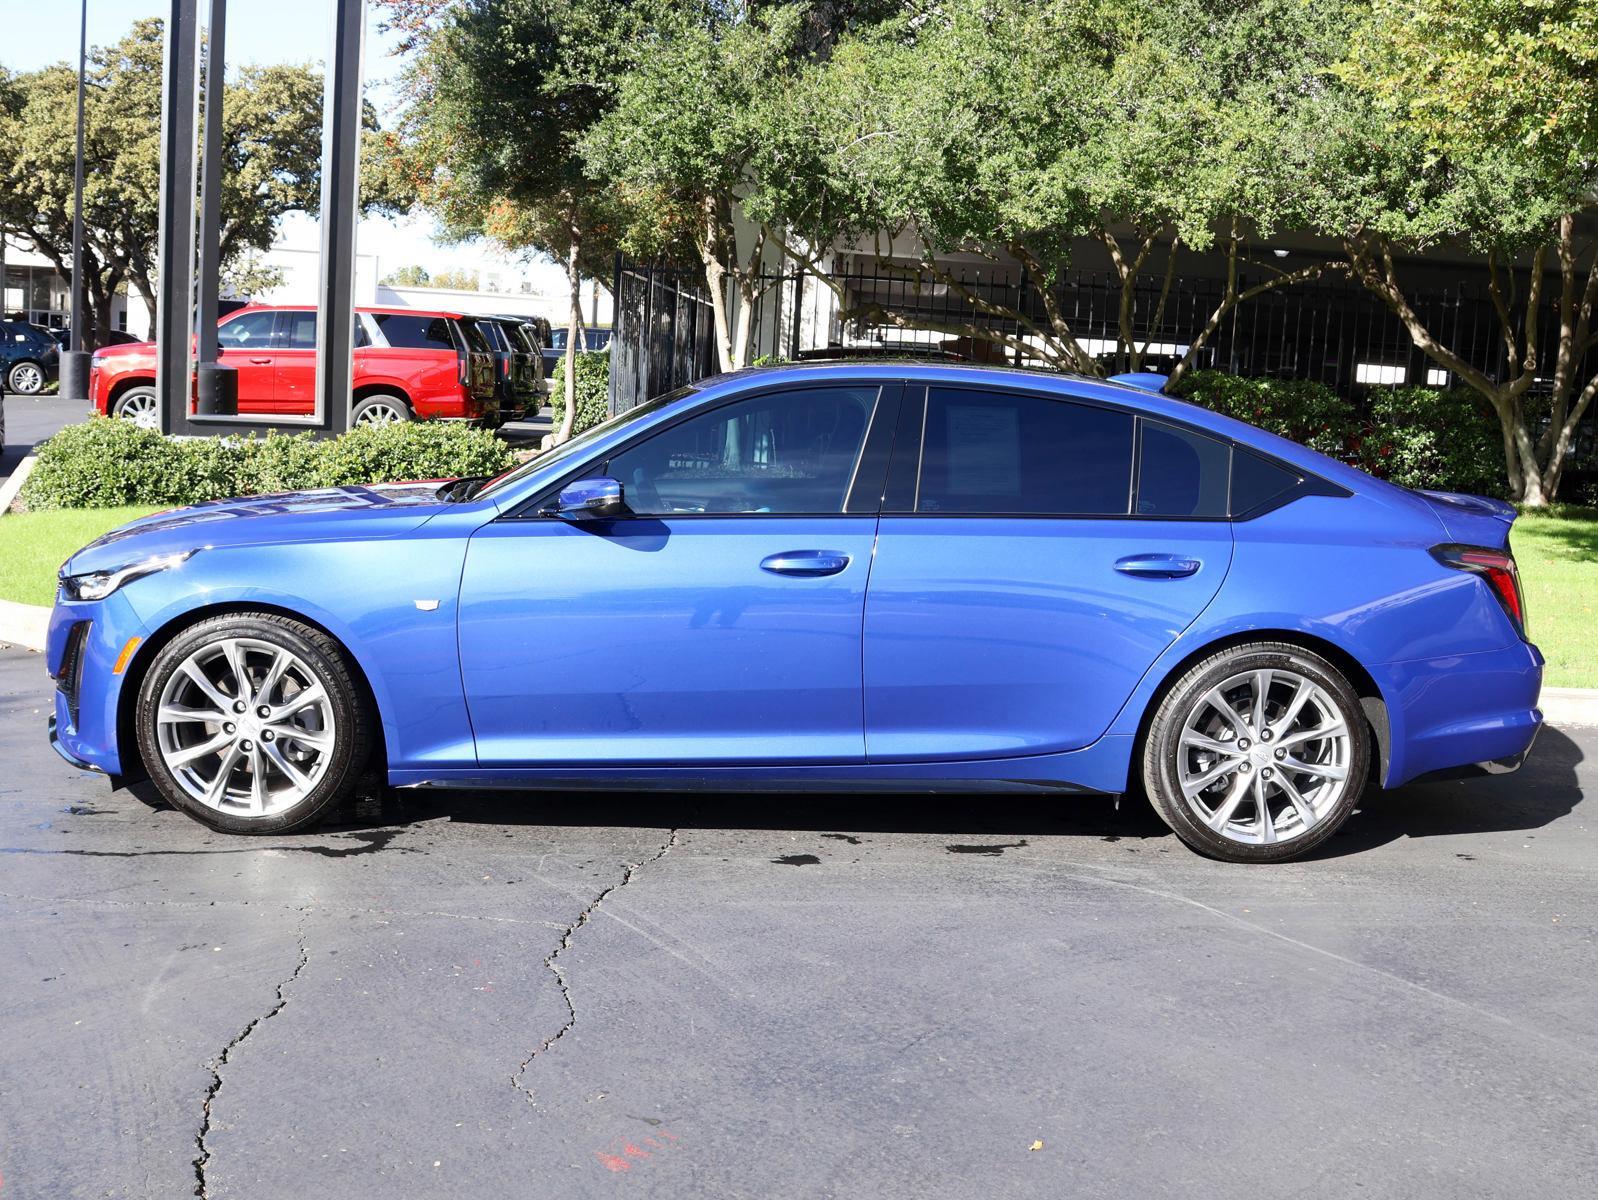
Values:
[(1468, 714)]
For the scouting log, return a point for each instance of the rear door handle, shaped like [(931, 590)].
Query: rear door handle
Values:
[(805, 562), (1158, 566)]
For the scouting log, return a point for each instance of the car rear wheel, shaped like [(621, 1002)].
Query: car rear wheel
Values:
[(380, 410), (1257, 754), (140, 406), (253, 723), (25, 379)]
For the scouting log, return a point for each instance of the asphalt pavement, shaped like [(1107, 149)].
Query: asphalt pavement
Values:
[(31, 419), (620, 995)]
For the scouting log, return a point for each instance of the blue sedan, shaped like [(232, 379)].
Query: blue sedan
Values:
[(834, 576)]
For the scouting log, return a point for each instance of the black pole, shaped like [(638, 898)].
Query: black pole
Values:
[(216, 385), (174, 312), (341, 140), (75, 363)]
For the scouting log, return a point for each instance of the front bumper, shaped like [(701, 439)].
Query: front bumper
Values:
[(71, 758), (85, 640)]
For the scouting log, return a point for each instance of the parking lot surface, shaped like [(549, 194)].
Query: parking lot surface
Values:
[(756, 996)]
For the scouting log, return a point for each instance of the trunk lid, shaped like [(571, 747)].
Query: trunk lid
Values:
[(1472, 520)]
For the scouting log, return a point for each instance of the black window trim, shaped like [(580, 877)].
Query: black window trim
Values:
[(888, 402), (904, 471)]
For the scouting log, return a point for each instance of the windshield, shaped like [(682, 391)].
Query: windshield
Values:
[(567, 449)]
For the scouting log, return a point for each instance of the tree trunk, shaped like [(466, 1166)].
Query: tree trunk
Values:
[(574, 326), (710, 254)]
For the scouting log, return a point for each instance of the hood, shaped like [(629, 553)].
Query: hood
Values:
[(1473, 520), (126, 350), (329, 514)]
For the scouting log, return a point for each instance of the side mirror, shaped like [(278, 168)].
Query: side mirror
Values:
[(591, 500)]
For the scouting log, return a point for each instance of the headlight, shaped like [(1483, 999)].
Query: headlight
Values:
[(97, 585), (96, 359)]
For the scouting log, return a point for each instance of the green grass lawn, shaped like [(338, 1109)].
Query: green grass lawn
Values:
[(1557, 552), (34, 545), (1558, 556)]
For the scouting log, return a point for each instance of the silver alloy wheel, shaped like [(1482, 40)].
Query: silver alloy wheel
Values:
[(245, 727), (26, 379), (140, 408), (381, 412), (1263, 756)]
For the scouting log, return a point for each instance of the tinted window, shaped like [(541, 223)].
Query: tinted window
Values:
[(475, 337), (406, 332), (517, 334), (1256, 482), (299, 331), (557, 339), (596, 339), (1180, 474), (1000, 452), (252, 331), (787, 452)]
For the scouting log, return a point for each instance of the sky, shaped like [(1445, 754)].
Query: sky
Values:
[(258, 31)]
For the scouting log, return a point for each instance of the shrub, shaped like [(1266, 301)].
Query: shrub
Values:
[(104, 463), (593, 391), (1422, 438), (1301, 409)]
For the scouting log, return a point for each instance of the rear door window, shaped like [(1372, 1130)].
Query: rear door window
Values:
[(476, 339), (407, 332), (252, 331), (1011, 452)]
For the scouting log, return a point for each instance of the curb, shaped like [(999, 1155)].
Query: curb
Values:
[(1569, 706), (13, 483), (23, 625)]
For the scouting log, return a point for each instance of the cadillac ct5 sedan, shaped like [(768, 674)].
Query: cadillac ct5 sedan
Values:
[(836, 576)]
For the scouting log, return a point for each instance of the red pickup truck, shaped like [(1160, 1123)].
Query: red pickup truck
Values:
[(408, 364)]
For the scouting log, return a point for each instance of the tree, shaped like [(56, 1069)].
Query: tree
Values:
[(271, 162), (1018, 131), (688, 133), (1476, 125), (412, 275), (499, 96)]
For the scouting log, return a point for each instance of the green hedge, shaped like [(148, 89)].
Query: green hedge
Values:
[(104, 463), (1309, 413), (593, 391), (1415, 436)]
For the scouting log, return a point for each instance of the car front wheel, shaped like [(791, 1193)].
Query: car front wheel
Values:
[(1257, 753), (253, 723), (140, 406), (25, 379)]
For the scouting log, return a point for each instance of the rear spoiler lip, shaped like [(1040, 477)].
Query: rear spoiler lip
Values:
[(1484, 506)]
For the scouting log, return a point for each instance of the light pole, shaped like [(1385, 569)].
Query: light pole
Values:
[(75, 362)]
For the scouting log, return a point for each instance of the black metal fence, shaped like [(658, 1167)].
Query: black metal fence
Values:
[(1331, 330)]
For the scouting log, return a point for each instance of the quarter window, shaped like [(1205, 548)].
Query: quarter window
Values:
[(1001, 452), (785, 452), (1257, 482), (405, 332), (1181, 473)]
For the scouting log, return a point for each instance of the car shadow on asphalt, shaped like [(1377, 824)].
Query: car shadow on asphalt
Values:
[(1547, 788)]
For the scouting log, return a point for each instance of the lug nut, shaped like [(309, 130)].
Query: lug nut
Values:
[(1266, 772), (239, 706), (230, 728), (1245, 768), (1281, 754), (1265, 734), (263, 711), (267, 735), (1242, 743), (246, 744)]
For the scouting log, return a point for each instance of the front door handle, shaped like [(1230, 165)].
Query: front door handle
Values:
[(805, 562), (1158, 566), (261, 362)]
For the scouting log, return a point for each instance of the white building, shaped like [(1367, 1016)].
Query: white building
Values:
[(37, 292)]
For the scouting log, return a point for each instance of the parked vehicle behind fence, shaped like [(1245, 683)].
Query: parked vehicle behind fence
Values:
[(554, 346), (407, 364)]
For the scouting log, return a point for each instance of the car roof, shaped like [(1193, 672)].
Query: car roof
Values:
[(396, 310)]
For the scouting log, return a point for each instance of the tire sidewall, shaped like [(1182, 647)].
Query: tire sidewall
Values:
[(349, 744), (395, 402), (11, 378), (1160, 772), (120, 408)]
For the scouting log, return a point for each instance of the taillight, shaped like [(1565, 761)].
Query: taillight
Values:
[(1497, 567)]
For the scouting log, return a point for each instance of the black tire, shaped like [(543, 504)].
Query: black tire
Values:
[(1162, 748), (382, 401), (25, 378), (141, 397), (353, 721)]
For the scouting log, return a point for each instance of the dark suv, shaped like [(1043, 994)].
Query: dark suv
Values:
[(29, 357), (518, 366)]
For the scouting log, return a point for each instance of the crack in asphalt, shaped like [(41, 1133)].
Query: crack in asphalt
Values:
[(203, 1158), (565, 944)]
